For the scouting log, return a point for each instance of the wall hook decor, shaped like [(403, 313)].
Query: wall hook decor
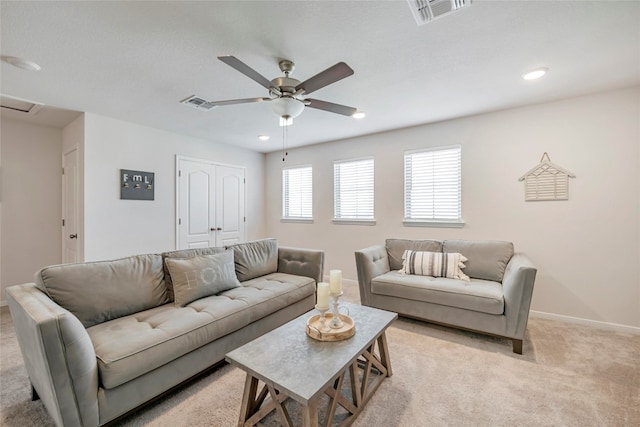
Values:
[(136, 185), (546, 181)]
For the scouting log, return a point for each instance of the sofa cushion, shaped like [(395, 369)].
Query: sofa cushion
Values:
[(396, 247), (435, 264), (478, 295), (134, 345), (201, 276), (255, 259), (184, 253), (486, 259), (96, 292)]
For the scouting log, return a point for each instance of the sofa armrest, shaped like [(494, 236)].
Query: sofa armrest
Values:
[(301, 262), (517, 285), (370, 262), (58, 355)]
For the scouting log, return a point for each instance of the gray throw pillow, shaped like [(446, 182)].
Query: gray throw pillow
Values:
[(201, 276), (184, 253), (255, 259), (96, 292)]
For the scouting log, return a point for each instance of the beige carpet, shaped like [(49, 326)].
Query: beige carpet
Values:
[(569, 375)]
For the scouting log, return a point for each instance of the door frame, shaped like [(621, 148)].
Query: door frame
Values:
[(180, 157), (63, 228)]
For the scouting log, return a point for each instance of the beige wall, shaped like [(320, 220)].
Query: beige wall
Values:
[(586, 249), (115, 228), (31, 200)]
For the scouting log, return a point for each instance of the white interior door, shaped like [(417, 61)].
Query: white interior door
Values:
[(70, 207), (230, 217), (196, 194), (210, 207)]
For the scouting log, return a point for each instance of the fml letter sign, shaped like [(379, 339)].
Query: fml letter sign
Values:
[(136, 185)]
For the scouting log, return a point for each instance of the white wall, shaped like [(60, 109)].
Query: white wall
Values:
[(586, 249), (31, 200), (115, 228)]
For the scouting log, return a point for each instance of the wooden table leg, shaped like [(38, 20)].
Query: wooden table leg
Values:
[(310, 414), (248, 399), (384, 352)]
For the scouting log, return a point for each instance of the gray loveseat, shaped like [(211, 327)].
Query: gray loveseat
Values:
[(494, 301), (101, 338)]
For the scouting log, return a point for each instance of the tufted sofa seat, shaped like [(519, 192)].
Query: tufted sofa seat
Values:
[(100, 339)]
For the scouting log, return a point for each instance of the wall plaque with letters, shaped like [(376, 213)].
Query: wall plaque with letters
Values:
[(136, 185)]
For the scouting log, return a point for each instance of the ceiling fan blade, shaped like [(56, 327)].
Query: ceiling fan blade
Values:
[(331, 107), (238, 101), (325, 78), (234, 62)]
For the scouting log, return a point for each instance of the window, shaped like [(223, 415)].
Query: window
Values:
[(353, 191), (433, 187), (297, 193)]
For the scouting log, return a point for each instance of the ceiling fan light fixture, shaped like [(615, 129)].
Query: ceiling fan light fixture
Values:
[(287, 106)]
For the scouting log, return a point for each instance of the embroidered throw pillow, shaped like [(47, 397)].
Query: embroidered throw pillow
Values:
[(436, 264), (201, 276)]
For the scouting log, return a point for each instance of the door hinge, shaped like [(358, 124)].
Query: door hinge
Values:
[(245, 219), (245, 180), (62, 171), (63, 222), (179, 221), (179, 173)]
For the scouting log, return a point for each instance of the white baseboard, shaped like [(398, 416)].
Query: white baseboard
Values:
[(587, 322), (3, 303)]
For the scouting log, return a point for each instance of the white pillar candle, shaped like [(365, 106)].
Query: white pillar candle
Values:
[(335, 281), (323, 295)]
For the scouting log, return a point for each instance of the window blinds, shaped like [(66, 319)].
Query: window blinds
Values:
[(353, 189), (297, 192), (432, 184)]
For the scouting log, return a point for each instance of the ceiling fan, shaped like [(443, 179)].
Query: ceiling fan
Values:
[(286, 94)]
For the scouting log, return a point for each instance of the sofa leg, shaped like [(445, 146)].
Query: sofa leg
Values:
[(34, 394), (517, 346)]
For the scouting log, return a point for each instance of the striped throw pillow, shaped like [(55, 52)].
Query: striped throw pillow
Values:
[(436, 264)]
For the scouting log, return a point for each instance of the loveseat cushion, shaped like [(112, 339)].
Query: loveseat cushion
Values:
[(133, 345), (478, 295), (97, 292), (396, 247), (486, 259), (184, 253), (255, 259), (201, 276)]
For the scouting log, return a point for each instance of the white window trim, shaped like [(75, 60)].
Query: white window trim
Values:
[(354, 221), (417, 222), (294, 219)]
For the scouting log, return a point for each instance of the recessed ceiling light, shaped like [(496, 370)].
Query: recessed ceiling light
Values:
[(22, 63), (359, 115), (535, 74), (263, 137)]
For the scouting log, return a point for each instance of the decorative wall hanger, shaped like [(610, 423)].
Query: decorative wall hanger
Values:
[(136, 185), (546, 181)]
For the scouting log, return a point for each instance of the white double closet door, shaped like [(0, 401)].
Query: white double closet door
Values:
[(211, 203)]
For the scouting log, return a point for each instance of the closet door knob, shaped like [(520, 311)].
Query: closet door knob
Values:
[(73, 236)]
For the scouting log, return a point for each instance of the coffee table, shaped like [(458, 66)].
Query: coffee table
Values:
[(290, 364)]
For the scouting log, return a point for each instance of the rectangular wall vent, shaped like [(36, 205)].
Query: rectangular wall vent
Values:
[(20, 105), (428, 10), (198, 103)]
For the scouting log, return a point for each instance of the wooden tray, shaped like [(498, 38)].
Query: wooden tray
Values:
[(317, 332)]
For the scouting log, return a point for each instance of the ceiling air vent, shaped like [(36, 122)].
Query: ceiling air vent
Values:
[(20, 105), (198, 103), (428, 10)]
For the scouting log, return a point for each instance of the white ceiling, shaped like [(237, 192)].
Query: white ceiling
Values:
[(136, 60)]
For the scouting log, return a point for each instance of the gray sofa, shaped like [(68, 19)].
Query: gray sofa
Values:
[(494, 301), (101, 338)]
